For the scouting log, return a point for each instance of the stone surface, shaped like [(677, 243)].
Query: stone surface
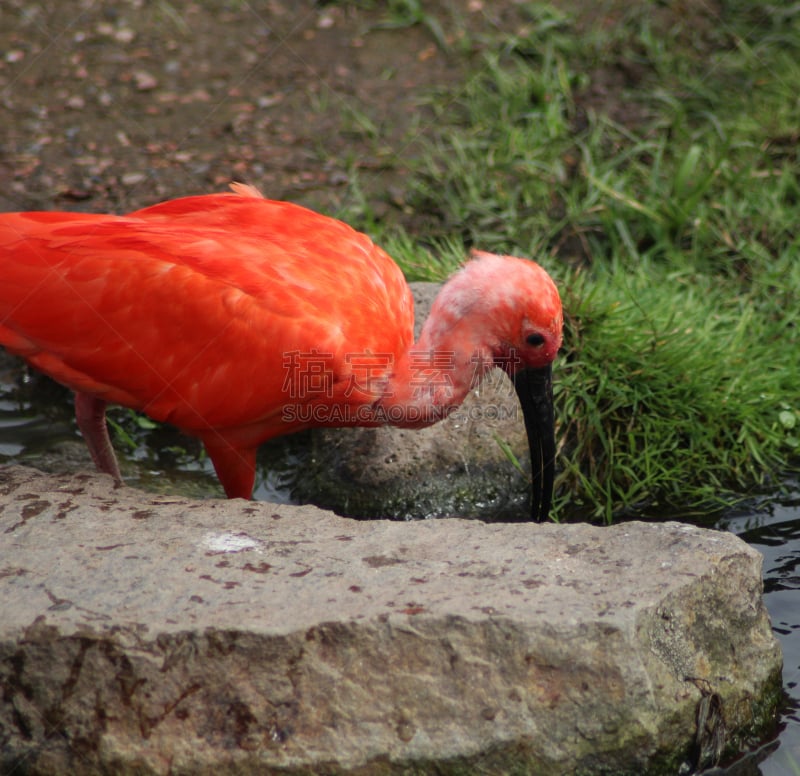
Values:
[(457, 467), (146, 634)]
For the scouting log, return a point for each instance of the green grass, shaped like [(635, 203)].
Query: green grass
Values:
[(670, 392), (668, 214)]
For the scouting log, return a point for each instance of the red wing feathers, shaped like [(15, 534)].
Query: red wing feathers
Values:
[(187, 310)]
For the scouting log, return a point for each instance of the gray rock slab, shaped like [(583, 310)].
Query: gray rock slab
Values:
[(145, 634), (457, 467)]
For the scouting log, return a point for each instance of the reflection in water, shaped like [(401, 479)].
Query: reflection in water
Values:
[(775, 532)]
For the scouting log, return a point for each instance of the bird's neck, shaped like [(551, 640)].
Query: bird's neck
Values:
[(434, 376)]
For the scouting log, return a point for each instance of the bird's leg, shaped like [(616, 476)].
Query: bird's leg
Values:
[(235, 466), (90, 412)]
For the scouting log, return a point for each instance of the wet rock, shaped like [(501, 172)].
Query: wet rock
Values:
[(158, 635), (459, 466)]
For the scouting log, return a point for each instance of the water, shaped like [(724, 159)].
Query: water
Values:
[(773, 528)]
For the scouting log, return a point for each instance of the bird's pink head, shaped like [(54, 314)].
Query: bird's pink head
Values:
[(506, 312), (512, 302)]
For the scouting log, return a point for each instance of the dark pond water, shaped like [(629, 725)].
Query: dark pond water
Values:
[(773, 528), (30, 431)]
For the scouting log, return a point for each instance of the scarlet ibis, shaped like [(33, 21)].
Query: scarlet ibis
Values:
[(237, 319)]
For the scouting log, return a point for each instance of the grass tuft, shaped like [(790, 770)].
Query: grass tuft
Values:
[(670, 393)]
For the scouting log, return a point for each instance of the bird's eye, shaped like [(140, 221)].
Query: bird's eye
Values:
[(535, 340)]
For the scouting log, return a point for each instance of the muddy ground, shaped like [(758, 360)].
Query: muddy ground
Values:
[(115, 105), (110, 106)]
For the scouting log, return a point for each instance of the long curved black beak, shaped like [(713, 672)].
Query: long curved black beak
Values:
[(534, 388)]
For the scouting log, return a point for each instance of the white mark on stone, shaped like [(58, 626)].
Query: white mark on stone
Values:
[(229, 542)]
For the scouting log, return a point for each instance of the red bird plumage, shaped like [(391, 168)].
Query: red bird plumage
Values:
[(238, 319)]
